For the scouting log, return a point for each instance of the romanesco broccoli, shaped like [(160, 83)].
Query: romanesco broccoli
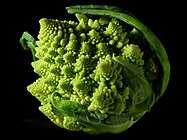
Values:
[(96, 74)]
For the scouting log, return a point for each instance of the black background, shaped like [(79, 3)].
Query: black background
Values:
[(20, 109)]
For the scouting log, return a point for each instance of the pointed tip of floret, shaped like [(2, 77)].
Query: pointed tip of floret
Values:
[(44, 22)]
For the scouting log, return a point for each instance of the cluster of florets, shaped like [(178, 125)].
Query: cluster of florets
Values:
[(75, 60)]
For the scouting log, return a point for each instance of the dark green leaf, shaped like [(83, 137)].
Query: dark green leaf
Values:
[(93, 125), (134, 76), (28, 43)]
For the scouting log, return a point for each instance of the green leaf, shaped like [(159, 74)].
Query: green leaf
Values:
[(114, 124), (28, 43), (132, 67), (66, 107), (98, 7), (134, 76)]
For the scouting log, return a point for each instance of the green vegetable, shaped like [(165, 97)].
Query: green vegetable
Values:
[(98, 74)]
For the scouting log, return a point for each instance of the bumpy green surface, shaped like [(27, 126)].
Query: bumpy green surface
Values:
[(95, 74)]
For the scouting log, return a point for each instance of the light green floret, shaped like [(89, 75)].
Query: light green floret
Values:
[(41, 90), (72, 123), (48, 111), (133, 54), (116, 34), (111, 94), (75, 60)]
